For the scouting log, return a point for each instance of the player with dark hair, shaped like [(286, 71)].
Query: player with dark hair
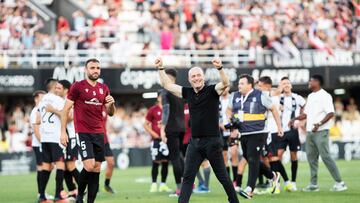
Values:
[(159, 149), (89, 99), (52, 151), (71, 151), (291, 106), (270, 155), (173, 129), (36, 137)]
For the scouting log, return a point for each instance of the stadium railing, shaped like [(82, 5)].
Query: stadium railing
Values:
[(123, 57)]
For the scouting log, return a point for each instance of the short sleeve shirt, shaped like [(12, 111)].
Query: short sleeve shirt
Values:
[(204, 111), (154, 117), (89, 103)]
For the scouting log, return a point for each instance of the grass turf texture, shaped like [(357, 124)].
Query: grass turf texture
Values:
[(132, 186)]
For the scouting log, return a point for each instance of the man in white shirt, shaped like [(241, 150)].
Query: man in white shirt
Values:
[(71, 152), (50, 130), (318, 113), (35, 131)]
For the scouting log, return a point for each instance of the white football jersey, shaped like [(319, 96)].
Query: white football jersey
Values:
[(225, 120), (34, 141), (271, 123), (50, 127)]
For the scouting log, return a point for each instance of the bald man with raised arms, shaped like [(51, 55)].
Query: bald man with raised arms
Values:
[(203, 101)]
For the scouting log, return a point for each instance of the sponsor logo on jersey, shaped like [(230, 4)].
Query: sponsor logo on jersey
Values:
[(94, 101)]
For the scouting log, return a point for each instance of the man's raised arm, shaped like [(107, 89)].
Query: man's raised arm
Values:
[(224, 79), (165, 80)]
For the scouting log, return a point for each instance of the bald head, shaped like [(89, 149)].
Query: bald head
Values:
[(196, 78), (195, 70)]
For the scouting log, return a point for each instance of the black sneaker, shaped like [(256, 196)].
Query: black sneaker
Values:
[(244, 194), (108, 189), (79, 199)]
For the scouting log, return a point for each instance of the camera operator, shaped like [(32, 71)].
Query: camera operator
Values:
[(250, 107)]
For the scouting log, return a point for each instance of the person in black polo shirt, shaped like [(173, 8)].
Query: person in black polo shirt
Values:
[(173, 129), (203, 101)]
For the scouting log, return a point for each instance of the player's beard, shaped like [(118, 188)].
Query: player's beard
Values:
[(93, 78)]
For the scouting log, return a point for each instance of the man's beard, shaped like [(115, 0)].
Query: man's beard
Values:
[(93, 78)]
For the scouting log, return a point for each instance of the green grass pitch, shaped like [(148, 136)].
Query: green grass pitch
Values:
[(133, 184)]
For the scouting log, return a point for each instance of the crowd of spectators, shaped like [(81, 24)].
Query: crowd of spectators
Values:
[(285, 26)]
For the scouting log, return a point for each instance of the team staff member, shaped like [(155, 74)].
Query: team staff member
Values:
[(173, 129), (250, 106), (318, 112), (88, 97), (203, 101)]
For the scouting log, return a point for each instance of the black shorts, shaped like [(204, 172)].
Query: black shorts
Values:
[(108, 151), (270, 149), (225, 143), (52, 152), (290, 138), (38, 155), (91, 146), (158, 151), (72, 150)]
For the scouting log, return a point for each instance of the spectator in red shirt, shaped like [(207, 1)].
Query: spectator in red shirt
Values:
[(63, 25)]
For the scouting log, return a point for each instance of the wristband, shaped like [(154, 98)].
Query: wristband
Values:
[(221, 67)]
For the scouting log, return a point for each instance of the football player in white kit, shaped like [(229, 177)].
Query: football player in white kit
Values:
[(270, 154), (50, 130), (71, 153), (35, 133), (291, 106)]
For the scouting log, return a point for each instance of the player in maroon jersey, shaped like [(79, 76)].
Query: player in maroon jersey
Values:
[(89, 98), (159, 150)]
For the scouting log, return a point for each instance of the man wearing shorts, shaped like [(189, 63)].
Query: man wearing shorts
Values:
[(89, 98)]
